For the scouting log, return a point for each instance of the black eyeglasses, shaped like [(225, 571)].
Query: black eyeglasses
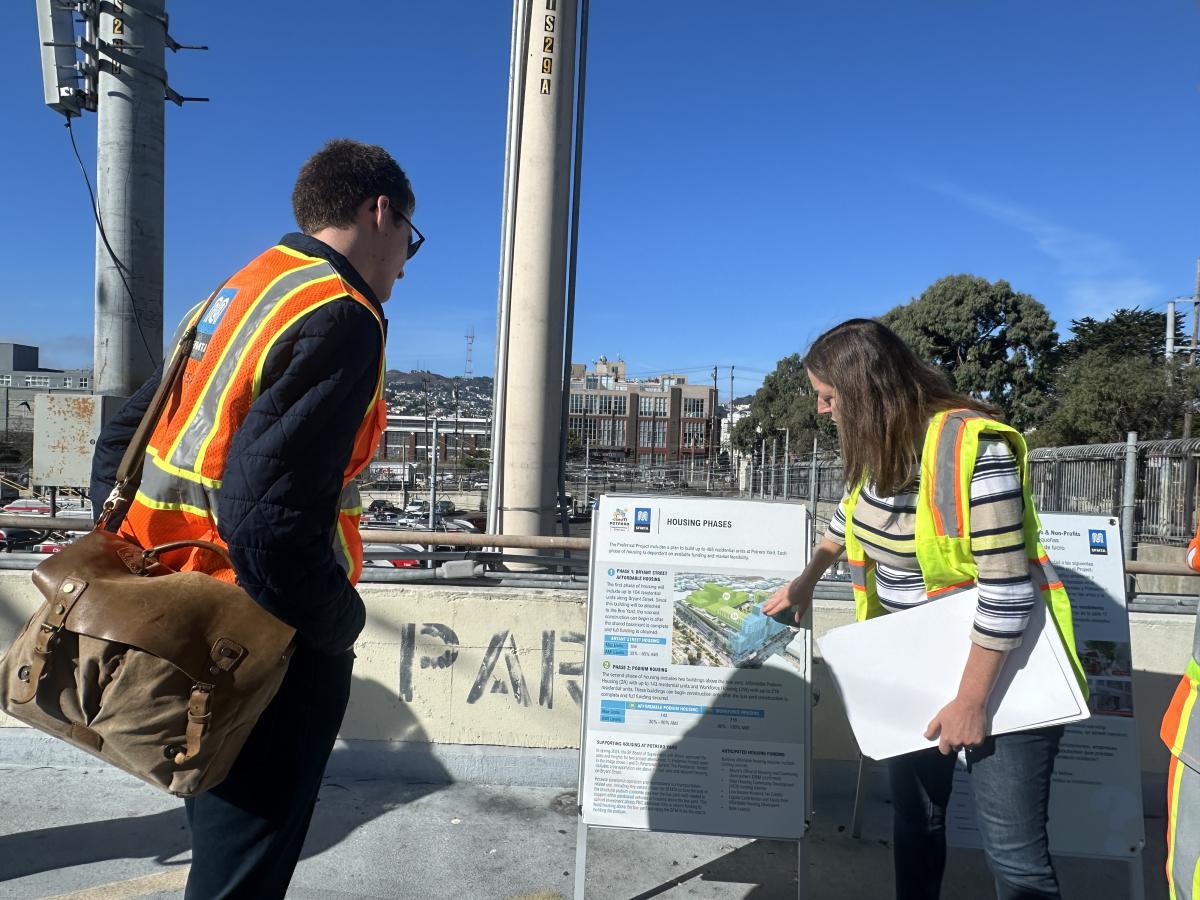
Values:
[(414, 243)]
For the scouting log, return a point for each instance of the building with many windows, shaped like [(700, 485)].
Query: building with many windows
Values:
[(660, 421), (408, 439), (22, 378)]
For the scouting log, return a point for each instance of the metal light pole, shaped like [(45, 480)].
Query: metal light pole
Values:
[(587, 464), (1129, 493), (774, 464), (812, 482), (762, 465), (433, 479), (787, 443)]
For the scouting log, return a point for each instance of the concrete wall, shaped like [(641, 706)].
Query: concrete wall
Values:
[(502, 667), (1165, 584)]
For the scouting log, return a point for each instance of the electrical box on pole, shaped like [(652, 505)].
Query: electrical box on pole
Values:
[(110, 61), (60, 73)]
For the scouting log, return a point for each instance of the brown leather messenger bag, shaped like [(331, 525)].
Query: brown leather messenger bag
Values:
[(160, 673)]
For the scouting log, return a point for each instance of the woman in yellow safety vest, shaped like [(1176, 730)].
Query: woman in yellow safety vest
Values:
[(938, 502)]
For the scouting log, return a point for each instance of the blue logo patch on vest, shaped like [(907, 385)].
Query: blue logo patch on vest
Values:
[(641, 519), (207, 326), (1098, 541)]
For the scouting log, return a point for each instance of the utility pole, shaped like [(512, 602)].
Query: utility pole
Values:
[(1187, 415), (116, 68), (130, 121)]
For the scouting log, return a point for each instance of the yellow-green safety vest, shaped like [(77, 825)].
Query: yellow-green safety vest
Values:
[(943, 530)]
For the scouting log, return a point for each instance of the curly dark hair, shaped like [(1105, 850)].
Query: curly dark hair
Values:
[(339, 177)]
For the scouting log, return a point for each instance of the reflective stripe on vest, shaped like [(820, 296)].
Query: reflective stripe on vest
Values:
[(186, 457), (252, 314), (1179, 732), (943, 526)]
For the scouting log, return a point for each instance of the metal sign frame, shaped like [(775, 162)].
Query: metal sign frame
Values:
[(806, 697)]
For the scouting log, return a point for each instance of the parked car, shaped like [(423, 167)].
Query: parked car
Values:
[(28, 506), (19, 538), (391, 556)]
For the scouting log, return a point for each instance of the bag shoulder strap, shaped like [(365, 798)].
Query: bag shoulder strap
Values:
[(129, 472)]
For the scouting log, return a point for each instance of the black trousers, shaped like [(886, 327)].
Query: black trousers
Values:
[(248, 831)]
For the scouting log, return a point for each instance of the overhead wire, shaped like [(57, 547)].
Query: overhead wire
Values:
[(122, 270)]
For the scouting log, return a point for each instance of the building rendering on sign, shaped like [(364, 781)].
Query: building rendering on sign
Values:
[(22, 378), (718, 620), (649, 422)]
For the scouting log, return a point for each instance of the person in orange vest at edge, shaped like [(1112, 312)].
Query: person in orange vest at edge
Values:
[(280, 407), (1181, 733)]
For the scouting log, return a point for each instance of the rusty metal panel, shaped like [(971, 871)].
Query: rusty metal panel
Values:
[(65, 428)]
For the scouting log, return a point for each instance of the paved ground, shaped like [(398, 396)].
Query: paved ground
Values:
[(95, 833)]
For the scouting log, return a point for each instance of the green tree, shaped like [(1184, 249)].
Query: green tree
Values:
[(574, 445), (475, 460), (992, 342), (1101, 395), (1127, 332), (785, 400)]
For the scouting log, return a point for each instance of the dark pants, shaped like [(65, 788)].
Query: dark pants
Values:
[(1010, 777), (247, 831)]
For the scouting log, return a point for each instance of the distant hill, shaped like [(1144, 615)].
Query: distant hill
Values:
[(416, 378), (406, 393)]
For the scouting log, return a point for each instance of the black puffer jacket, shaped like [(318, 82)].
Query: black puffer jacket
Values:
[(277, 505)]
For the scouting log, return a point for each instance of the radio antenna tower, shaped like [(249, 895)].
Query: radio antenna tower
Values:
[(470, 349)]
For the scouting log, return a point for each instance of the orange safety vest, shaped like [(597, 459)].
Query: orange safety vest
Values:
[(185, 460), (1180, 731)]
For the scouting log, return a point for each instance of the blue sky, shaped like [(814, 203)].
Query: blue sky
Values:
[(752, 175)]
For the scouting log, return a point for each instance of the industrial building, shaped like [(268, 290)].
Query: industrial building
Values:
[(22, 378), (656, 421)]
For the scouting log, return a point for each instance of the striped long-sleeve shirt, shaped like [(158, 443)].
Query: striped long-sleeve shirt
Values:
[(886, 527)]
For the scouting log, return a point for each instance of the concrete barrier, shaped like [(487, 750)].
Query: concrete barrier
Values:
[(493, 673)]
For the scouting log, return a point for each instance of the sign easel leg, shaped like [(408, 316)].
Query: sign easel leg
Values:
[(1137, 882), (581, 836), (859, 798), (801, 870)]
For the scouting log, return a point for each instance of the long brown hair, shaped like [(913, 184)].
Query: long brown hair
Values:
[(886, 395)]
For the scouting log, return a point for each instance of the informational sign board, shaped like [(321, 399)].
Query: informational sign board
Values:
[(696, 705), (1096, 798)]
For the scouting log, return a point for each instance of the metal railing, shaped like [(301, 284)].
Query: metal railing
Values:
[(1091, 479)]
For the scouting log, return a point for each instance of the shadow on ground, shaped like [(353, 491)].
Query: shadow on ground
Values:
[(163, 837)]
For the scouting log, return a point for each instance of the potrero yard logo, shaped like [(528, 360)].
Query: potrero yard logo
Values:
[(641, 519), (619, 521)]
